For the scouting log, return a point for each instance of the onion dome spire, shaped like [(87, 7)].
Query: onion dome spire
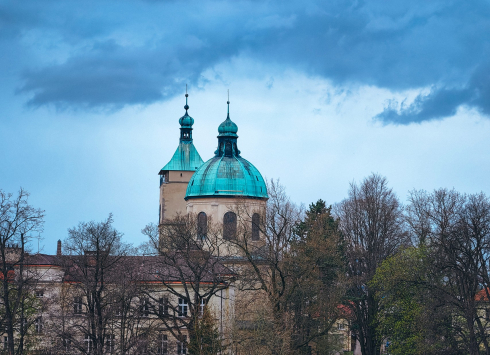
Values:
[(186, 122), (227, 138), (186, 157)]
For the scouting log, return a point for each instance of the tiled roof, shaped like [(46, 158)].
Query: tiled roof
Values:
[(169, 268)]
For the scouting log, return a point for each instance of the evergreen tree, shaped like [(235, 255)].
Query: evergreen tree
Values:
[(206, 339)]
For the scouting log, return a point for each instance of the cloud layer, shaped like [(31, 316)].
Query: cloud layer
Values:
[(109, 54)]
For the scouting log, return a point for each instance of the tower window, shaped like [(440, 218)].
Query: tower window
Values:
[(256, 226), (202, 226), (229, 226)]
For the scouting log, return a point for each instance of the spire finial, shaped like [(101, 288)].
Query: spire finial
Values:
[(228, 102), (186, 96)]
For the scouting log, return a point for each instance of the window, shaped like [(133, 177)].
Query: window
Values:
[(39, 293), (5, 342), (340, 326), (77, 305), (38, 325), (163, 346), (89, 345), (255, 226), (202, 226), (202, 305), (163, 306), (145, 307), (109, 343), (67, 344), (229, 226), (182, 346), (183, 307)]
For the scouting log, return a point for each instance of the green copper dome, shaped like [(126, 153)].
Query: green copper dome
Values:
[(228, 128), (186, 157), (227, 174), (186, 121)]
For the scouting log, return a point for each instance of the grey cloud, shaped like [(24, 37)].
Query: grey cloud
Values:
[(442, 102), (111, 77), (397, 45)]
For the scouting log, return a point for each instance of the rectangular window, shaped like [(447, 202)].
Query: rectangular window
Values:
[(5, 342), (182, 307), (202, 305), (77, 305), (38, 325), (109, 343), (89, 345), (67, 344), (39, 293), (145, 307), (163, 346), (163, 306), (182, 346)]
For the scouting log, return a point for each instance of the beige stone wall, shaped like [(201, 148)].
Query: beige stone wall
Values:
[(172, 193), (216, 207)]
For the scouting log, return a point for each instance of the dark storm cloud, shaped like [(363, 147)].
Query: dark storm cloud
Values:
[(442, 102), (159, 45), (110, 77)]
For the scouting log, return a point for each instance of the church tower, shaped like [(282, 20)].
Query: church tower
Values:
[(224, 182), (175, 175)]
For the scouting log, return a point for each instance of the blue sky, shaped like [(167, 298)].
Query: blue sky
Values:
[(323, 93)]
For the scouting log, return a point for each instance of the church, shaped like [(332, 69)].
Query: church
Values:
[(211, 189)]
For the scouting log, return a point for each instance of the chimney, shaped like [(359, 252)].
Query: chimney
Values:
[(58, 250)]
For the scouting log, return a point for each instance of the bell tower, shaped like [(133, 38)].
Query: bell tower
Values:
[(175, 175)]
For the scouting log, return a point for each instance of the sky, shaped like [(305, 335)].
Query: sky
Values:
[(324, 93)]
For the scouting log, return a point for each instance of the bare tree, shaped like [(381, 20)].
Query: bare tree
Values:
[(18, 222), (190, 274), (98, 273), (372, 223), (457, 234)]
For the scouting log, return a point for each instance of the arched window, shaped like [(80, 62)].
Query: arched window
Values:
[(255, 226), (202, 225), (229, 226)]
